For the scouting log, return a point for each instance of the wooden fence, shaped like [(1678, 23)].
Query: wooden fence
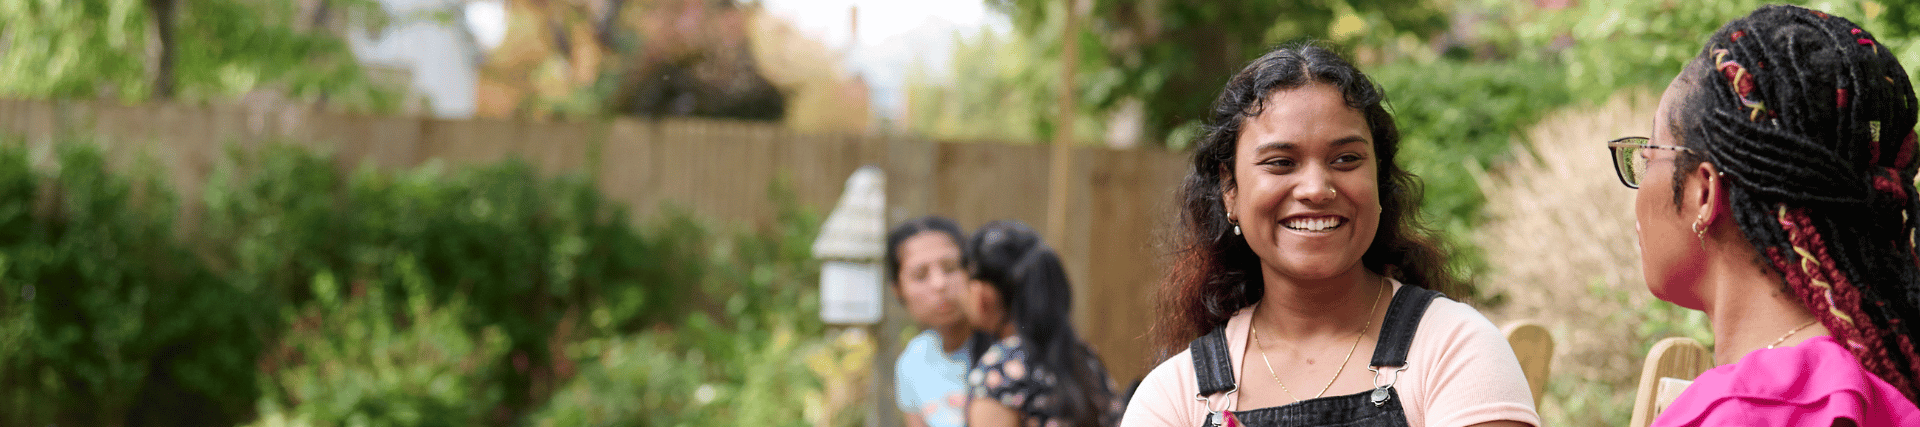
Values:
[(1119, 200)]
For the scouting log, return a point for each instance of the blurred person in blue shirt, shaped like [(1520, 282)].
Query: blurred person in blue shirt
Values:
[(924, 261)]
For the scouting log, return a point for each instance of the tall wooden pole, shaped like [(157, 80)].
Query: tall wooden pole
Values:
[(1063, 130)]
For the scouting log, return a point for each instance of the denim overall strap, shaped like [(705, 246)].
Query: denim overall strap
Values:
[(1403, 318), (1378, 407), (1212, 367)]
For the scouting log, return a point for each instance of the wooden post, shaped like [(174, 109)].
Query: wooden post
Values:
[(1063, 130), (883, 412), (887, 346)]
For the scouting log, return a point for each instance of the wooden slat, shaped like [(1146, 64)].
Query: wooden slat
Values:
[(1534, 346), (1672, 358)]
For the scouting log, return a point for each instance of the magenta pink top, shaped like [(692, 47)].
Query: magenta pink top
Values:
[(1810, 384)]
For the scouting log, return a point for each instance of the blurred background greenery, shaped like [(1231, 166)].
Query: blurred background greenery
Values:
[(483, 296), (308, 294)]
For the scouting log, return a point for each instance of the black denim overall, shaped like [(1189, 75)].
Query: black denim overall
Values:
[(1213, 370)]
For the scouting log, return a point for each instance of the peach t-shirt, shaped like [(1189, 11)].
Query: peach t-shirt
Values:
[(1461, 372)]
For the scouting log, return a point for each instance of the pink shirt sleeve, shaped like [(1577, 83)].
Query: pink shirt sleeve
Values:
[(1165, 396), (1462, 373)]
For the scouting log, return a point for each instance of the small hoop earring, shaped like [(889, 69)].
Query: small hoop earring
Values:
[(1700, 233)]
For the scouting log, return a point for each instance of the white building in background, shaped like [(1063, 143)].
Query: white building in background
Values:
[(439, 58)]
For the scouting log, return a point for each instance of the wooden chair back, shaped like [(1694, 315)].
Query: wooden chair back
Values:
[(1671, 365), (1534, 346)]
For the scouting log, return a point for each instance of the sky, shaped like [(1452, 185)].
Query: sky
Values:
[(879, 19), (894, 35)]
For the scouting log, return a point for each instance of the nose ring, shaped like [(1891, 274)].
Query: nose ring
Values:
[(1332, 191)]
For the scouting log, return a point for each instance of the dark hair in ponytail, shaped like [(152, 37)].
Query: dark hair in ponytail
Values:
[(1035, 293), (1812, 121)]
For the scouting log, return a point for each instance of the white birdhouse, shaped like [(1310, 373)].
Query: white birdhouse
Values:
[(851, 243)]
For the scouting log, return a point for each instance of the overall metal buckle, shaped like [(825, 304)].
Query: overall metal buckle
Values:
[(1217, 418), (1380, 395)]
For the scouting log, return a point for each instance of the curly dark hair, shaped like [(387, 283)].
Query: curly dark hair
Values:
[(1214, 273), (1812, 120)]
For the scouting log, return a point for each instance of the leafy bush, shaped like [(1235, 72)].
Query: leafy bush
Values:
[(525, 254), (772, 377), (498, 234), (1458, 116), (1609, 46), (358, 359), (307, 296), (107, 318), (758, 356), (1456, 119)]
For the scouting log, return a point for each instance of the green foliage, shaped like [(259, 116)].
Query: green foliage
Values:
[(1013, 97), (222, 49), (693, 376), (1171, 57), (1456, 118), (1577, 398), (1610, 46), (230, 47), (307, 296), (523, 253), (498, 235), (108, 319), (82, 48), (370, 359), (655, 384), (738, 363)]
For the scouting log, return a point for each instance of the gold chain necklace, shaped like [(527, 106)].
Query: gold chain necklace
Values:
[(1343, 361), (1783, 338)]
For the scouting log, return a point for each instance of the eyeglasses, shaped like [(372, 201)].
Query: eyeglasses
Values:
[(1628, 162)]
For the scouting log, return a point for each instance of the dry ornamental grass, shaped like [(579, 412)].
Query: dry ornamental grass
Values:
[(1560, 241)]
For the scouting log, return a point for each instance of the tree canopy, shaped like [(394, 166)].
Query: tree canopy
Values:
[(193, 50), (1167, 60), (1163, 62)]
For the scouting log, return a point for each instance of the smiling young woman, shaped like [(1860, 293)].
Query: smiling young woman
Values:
[(1302, 247)]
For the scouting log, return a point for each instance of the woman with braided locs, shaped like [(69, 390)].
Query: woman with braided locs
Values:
[(1775, 195), (1302, 290)]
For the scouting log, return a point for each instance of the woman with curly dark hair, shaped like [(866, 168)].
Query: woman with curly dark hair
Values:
[(1776, 195), (1301, 247)]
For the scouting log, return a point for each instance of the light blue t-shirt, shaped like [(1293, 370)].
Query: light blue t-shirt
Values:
[(930, 382)]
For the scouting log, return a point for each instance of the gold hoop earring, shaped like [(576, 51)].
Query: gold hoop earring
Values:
[(1700, 233)]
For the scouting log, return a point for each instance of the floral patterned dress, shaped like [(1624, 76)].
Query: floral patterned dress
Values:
[(1002, 375)]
